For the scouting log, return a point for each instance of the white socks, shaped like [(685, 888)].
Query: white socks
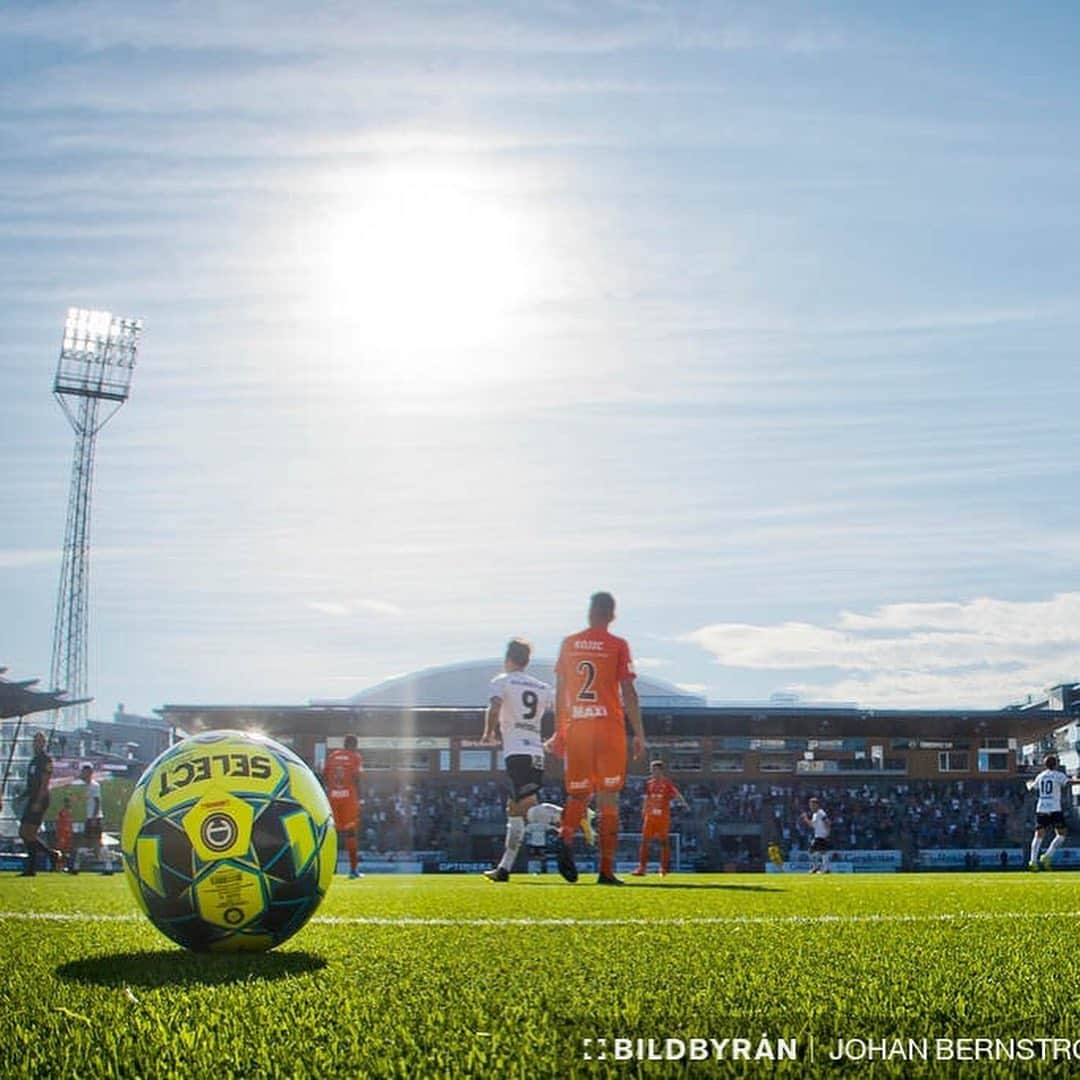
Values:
[(1036, 844), (1054, 845), (515, 833), (542, 814)]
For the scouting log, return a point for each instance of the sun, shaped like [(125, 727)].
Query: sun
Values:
[(425, 258)]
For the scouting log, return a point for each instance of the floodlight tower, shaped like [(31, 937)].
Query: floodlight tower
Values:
[(93, 378)]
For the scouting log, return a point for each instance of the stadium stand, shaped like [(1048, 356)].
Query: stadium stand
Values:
[(892, 780)]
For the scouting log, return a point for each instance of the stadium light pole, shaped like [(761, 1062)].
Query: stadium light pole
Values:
[(93, 379)]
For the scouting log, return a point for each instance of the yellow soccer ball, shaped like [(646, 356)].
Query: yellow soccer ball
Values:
[(228, 842)]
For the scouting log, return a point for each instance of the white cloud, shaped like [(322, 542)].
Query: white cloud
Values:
[(983, 652), (380, 607), (650, 662), (338, 610)]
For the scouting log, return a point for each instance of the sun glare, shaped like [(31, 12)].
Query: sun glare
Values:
[(429, 260)]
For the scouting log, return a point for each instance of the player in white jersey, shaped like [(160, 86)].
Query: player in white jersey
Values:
[(1049, 786), (92, 829), (819, 824), (517, 704)]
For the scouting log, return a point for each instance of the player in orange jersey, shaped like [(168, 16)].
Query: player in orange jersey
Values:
[(660, 792), (341, 775), (65, 832), (595, 696)]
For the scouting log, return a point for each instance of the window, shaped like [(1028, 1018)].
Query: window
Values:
[(680, 755), (684, 760), (953, 761), (382, 760), (777, 763), (722, 761), (378, 760), (993, 761), (732, 742), (474, 760)]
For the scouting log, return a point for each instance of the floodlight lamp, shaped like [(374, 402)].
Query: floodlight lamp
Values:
[(95, 345), (84, 332)]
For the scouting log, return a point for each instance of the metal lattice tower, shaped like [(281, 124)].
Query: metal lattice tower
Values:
[(93, 379)]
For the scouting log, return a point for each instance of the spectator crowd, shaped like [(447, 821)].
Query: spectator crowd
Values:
[(723, 824), (732, 822)]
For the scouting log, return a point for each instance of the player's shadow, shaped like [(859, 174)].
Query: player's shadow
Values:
[(690, 885), (177, 967), (540, 880)]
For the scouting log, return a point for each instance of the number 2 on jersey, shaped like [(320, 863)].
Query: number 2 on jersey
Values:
[(588, 669)]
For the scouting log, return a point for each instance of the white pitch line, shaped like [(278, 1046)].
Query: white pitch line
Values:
[(569, 923), (67, 916), (695, 920)]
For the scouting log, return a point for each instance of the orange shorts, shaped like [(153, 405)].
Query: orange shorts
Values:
[(656, 828), (346, 814), (595, 756)]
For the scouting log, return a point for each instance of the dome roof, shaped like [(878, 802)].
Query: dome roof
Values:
[(465, 685)]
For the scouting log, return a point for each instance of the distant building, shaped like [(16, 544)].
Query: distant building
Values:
[(127, 737), (1063, 740)]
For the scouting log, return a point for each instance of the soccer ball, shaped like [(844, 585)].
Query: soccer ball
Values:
[(228, 842)]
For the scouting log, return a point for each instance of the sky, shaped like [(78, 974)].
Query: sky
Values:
[(761, 316)]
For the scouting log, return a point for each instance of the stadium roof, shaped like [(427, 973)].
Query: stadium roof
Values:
[(693, 721), (465, 686), (450, 700), (18, 698)]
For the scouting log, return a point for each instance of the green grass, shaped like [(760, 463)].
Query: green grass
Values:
[(458, 991)]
